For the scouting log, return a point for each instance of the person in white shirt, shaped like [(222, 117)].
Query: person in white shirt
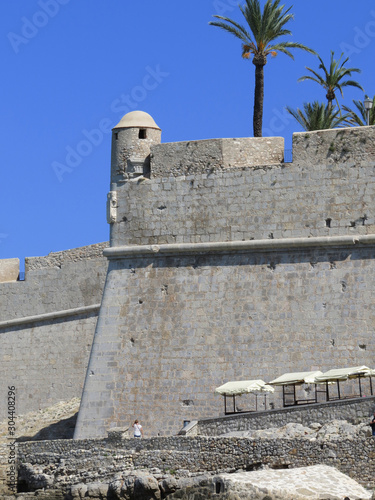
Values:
[(138, 431)]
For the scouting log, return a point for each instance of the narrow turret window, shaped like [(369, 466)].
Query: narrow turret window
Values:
[(142, 133)]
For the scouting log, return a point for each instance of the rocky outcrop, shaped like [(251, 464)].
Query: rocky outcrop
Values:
[(228, 467), (312, 483)]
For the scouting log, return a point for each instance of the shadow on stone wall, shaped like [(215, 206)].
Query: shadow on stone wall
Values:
[(64, 429)]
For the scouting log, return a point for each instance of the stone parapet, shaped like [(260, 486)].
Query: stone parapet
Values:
[(58, 259), (348, 147), (9, 270), (57, 282), (311, 197), (208, 156)]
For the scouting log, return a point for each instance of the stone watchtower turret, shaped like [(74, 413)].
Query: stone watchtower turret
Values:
[(132, 138)]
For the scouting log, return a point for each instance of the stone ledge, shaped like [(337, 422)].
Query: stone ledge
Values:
[(235, 246), (50, 316)]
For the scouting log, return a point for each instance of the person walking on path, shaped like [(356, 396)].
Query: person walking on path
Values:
[(138, 431), (372, 424)]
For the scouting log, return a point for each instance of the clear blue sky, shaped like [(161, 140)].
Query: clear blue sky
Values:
[(73, 67)]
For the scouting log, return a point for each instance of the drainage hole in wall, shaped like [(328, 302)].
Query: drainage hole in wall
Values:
[(187, 402)]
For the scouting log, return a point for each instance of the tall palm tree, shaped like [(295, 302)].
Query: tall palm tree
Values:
[(361, 118), (333, 78), (258, 40), (317, 116)]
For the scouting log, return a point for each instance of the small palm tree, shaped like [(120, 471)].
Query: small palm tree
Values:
[(333, 78), (258, 40), (361, 118), (317, 116)]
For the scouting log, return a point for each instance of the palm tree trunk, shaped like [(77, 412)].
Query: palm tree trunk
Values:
[(331, 96), (258, 100)]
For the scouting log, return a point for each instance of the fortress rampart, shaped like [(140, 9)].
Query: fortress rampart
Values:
[(224, 264), (47, 324), (313, 196), (224, 270)]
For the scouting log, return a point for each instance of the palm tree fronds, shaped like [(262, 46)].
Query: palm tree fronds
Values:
[(334, 78), (360, 118), (318, 116), (264, 28), (232, 27)]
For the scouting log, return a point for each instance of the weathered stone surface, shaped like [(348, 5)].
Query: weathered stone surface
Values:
[(9, 270), (33, 478), (46, 360), (347, 146), (95, 491), (314, 416), (174, 460), (305, 483), (208, 156), (203, 317)]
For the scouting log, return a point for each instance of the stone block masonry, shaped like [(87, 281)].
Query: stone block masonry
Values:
[(208, 156), (59, 281), (244, 271), (199, 454), (46, 327), (352, 410), (319, 194), (9, 270), (175, 328), (348, 147)]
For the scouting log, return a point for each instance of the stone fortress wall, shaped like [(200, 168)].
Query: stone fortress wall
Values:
[(239, 270), (326, 191), (47, 324), (352, 455), (225, 264)]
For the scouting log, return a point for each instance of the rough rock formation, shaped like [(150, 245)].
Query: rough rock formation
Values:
[(306, 483), (55, 422)]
